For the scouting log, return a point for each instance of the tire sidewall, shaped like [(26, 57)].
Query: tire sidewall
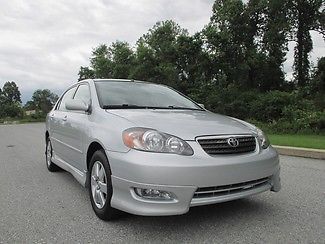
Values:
[(52, 167)]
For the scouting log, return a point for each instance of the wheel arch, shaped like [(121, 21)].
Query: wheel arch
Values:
[(92, 148)]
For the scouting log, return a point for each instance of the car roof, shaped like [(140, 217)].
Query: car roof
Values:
[(116, 80)]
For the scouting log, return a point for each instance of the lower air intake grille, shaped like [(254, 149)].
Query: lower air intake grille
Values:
[(228, 145), (216, 191)]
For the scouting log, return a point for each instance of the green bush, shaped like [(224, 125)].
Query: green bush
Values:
[(38, 115), (277, 111), (12, 110), (269, 107)]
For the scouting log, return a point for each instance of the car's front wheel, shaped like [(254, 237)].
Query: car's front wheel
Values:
[(100, 189)]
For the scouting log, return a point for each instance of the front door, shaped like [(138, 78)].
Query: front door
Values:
[(75, 131), (58, 119)]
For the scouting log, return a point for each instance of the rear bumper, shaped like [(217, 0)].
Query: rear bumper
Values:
[(183, 175)]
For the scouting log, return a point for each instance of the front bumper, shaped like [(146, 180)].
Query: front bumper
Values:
[(183, 175)]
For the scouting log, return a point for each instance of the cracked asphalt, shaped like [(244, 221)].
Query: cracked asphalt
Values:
[(37, 206)]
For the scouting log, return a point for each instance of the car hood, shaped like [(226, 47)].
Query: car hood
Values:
[(186, 124)]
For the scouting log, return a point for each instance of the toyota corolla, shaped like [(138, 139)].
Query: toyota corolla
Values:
[(146, 149)]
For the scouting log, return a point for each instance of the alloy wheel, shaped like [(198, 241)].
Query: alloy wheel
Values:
[(99, 184)]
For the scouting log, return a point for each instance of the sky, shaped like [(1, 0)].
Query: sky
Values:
[(44, 43)]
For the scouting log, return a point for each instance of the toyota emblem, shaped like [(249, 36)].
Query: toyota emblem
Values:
[(233, 142)]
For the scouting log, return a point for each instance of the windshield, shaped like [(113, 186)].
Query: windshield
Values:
[(133, 95)]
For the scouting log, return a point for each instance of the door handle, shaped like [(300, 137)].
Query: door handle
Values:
[(64, 118)]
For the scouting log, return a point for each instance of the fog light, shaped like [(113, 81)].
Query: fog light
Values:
[(154, 194)]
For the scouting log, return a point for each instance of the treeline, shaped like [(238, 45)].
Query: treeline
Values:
[(11, 106), (235, 63)]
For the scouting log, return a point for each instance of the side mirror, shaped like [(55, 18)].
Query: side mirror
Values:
[(76, 104), (201, 105)]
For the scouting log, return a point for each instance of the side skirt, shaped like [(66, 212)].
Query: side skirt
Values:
[(80, 176)]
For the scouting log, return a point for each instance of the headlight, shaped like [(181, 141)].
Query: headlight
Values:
[(154, 141), (264, 141)]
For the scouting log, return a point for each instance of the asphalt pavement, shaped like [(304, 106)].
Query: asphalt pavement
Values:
[(43, 207)]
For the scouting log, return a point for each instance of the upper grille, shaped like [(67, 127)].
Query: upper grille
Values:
[(219, 145)]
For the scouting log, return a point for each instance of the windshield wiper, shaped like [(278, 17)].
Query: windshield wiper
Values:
[(124, 106), (185, 108), (133, 106)]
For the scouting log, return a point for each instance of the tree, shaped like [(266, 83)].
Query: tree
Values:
[(275, 42), (225, 38), (317, 86), (11, 93), (318, 77), (247, 42), (2, 104), (255, 17), (145, 63), (157, 56), (306, 15), (2, 98), (114, 61), (86, 73), (192, 63), (122, 59), (100, 62), (43, 100), (10, 100), (30, 105)]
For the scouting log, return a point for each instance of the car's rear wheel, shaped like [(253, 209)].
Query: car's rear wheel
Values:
[(100, 189), (48, 154)]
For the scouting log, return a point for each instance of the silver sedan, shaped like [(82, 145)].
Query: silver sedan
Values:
[(146, 149)]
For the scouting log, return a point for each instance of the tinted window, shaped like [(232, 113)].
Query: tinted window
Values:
[(83, 93), (134, 94), (68, 95)]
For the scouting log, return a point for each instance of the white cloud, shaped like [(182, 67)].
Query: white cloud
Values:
[(43, 43)]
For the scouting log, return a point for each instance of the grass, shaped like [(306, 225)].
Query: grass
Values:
[(21, 120), (308, 141)]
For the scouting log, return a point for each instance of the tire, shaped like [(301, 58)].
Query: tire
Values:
[(48, 157), (100, 186)]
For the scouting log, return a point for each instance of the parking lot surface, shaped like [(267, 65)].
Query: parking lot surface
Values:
[(39, 206)]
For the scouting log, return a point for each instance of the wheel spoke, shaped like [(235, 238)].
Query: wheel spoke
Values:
[(102, 199), (93, 190), (93, 181), (97, 169), (103, 187), (97, 198), (101, 173)]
